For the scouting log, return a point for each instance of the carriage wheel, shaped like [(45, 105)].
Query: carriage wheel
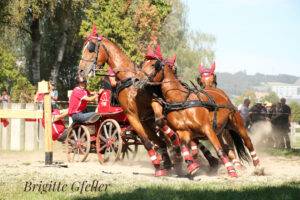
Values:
[(130, 146), (109, 141), (78, 144)]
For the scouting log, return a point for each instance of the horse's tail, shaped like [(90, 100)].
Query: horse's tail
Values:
[(239, 145)]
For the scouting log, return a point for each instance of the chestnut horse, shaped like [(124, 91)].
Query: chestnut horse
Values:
[(207, 77), (135, 103), (189, 115), (206, 81)]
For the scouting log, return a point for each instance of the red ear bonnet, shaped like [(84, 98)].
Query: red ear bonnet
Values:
[(171, 61), (212, 68), (150, 53), (158, 53), (94, 31), (201, 69)]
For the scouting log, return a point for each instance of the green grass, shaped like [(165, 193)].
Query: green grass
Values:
[(192, 190), (282, 152)]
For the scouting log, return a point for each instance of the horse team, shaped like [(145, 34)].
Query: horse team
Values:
[(152, 96)]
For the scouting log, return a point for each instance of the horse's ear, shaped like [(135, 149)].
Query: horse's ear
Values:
[(94, 31), (158, 52), (171, 61), (150, 53), (200, 68), (174, 57), (212, 68)]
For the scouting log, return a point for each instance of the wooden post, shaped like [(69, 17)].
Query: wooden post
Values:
[(69, 95), (43, 87)]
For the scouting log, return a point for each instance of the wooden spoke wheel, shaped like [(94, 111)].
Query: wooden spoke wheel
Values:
[(130, 146), (109, 141), (78, 144)]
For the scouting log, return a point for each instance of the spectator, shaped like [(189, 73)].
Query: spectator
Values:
[(54, 94), (39, 97), (59, 131), (257, 113), (5, 98), (244, 110), (282, 124)]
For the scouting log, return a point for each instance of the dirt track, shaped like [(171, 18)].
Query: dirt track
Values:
[(19, 165)]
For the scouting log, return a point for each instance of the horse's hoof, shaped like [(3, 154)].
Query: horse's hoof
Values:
[(259, 171), (193, 168), (161, 172)]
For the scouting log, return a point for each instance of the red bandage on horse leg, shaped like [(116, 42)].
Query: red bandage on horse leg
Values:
[(172, 135), (186, 153), (228, 165), (155, 158), (194, 148)]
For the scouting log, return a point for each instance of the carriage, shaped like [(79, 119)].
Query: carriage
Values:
[(111, 136)]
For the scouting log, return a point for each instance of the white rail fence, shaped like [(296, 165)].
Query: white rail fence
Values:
[(22, 134)]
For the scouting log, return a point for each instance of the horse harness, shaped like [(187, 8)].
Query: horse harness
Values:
[(210, 105)]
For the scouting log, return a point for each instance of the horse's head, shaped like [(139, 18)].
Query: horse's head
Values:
[(94, 54), (154, 66), (207, 76)]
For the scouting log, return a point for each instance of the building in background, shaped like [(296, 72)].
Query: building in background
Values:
[(289, 91)]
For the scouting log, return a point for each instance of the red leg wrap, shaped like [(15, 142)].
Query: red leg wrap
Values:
[(255, 158), (186, 153), (194, 148), (155, 158), (230, 169), (171, 135)]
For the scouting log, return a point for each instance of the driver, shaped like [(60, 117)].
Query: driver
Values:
[(78, 102)]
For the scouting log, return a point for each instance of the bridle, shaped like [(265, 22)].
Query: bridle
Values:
[(159, 65), (94, 48)]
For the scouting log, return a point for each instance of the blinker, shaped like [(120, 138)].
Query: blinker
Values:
[(91, 47)]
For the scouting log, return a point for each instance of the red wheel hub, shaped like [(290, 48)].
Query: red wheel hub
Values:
[(110, 141)]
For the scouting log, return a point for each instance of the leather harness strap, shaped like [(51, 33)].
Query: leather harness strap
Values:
[(124, 84)]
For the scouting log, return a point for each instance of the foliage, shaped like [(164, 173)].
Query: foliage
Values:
[(247, 94), (12, 79), (130, 24), (191, 48), (272, 97), (295, 108)]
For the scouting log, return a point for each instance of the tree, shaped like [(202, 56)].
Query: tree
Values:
[(129, 23), (191, 48), (12, 79), (295, 108), (272, 97), (249, 94)]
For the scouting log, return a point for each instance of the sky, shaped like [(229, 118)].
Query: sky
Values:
[(256, 36)]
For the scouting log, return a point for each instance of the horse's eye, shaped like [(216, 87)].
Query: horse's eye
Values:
[(91, 47)]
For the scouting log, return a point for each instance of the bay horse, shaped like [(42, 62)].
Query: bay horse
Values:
[(136, 103), (189, 115)]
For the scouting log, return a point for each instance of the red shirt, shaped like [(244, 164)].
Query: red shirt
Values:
[(58, 127), (40, 97), (77, 103)]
